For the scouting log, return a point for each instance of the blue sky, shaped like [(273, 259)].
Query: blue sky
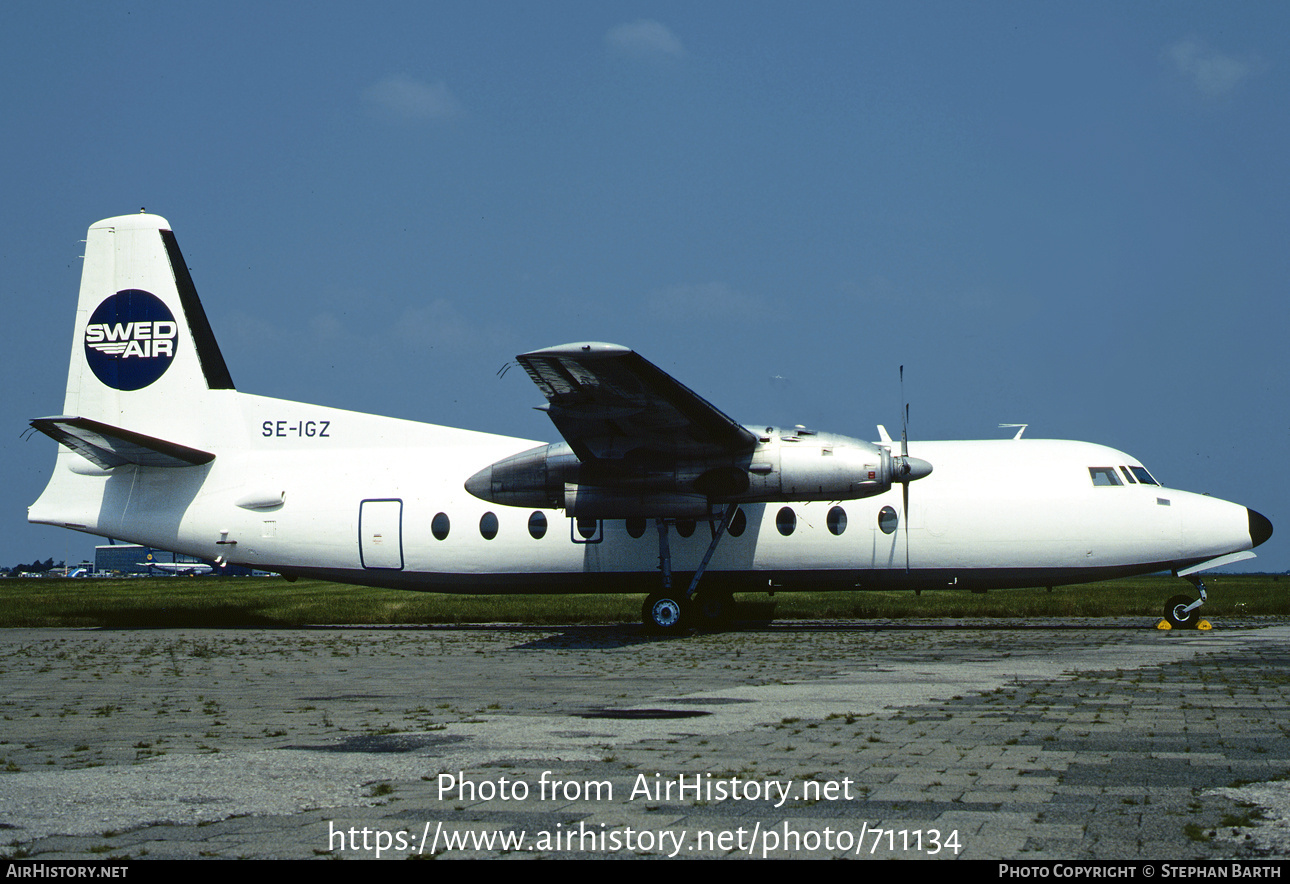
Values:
[(1073, 215)]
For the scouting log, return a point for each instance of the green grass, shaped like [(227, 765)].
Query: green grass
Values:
[(271, 601), (1229, 595)]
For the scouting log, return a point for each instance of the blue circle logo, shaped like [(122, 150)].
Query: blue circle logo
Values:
[(131, 340)]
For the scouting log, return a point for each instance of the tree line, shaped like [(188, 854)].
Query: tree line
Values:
[(36, 567)]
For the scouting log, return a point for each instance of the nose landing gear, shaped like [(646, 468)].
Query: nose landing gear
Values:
[(1183, 612)]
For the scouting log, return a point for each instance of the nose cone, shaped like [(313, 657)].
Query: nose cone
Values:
[(1260, 528)]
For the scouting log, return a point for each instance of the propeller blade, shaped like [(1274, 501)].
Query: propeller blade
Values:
[(904, 424), (904, 494), (906, 468)]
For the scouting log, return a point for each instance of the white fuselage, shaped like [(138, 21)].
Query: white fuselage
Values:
[(313, 491)]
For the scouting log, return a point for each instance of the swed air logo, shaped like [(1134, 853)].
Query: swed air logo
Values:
[(130, 340)]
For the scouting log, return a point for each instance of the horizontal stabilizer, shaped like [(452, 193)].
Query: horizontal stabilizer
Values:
[(107, 446)]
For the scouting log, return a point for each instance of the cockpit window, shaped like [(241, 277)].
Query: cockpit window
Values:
[(1143, 476), (1104, 476), (1128, 475)]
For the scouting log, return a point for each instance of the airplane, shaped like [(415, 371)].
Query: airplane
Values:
[(188, 569), (159, 448)]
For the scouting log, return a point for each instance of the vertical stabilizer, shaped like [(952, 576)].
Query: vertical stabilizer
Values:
[(142, 346)]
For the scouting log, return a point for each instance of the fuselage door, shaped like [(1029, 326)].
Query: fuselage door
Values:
[(380, 534)]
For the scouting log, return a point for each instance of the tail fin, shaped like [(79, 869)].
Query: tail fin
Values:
[(143, 348)]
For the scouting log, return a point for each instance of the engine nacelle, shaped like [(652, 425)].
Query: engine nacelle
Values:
[(817, 466), (534, 478), (827, 470)]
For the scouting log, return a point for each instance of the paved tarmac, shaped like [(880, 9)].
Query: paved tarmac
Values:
[(1016, 740)]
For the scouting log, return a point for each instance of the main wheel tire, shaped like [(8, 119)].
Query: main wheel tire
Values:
[(713, 608), (1178, 617), (663, 612)]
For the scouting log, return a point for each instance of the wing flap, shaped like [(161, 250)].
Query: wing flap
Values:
[(107, 446)]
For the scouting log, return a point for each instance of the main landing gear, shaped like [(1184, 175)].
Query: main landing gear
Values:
[(663, 612), (1183, 612), (669, 611)]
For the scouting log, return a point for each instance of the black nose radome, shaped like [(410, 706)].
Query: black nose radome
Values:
[(1260, 527)]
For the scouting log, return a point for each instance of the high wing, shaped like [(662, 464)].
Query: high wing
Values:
[(614, 407), (638, 443)]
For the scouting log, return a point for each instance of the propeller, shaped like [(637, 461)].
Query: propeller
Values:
[(907, 469)]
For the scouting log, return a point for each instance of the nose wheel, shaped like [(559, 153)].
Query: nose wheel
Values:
[(1183, 612), (1179, 612)]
